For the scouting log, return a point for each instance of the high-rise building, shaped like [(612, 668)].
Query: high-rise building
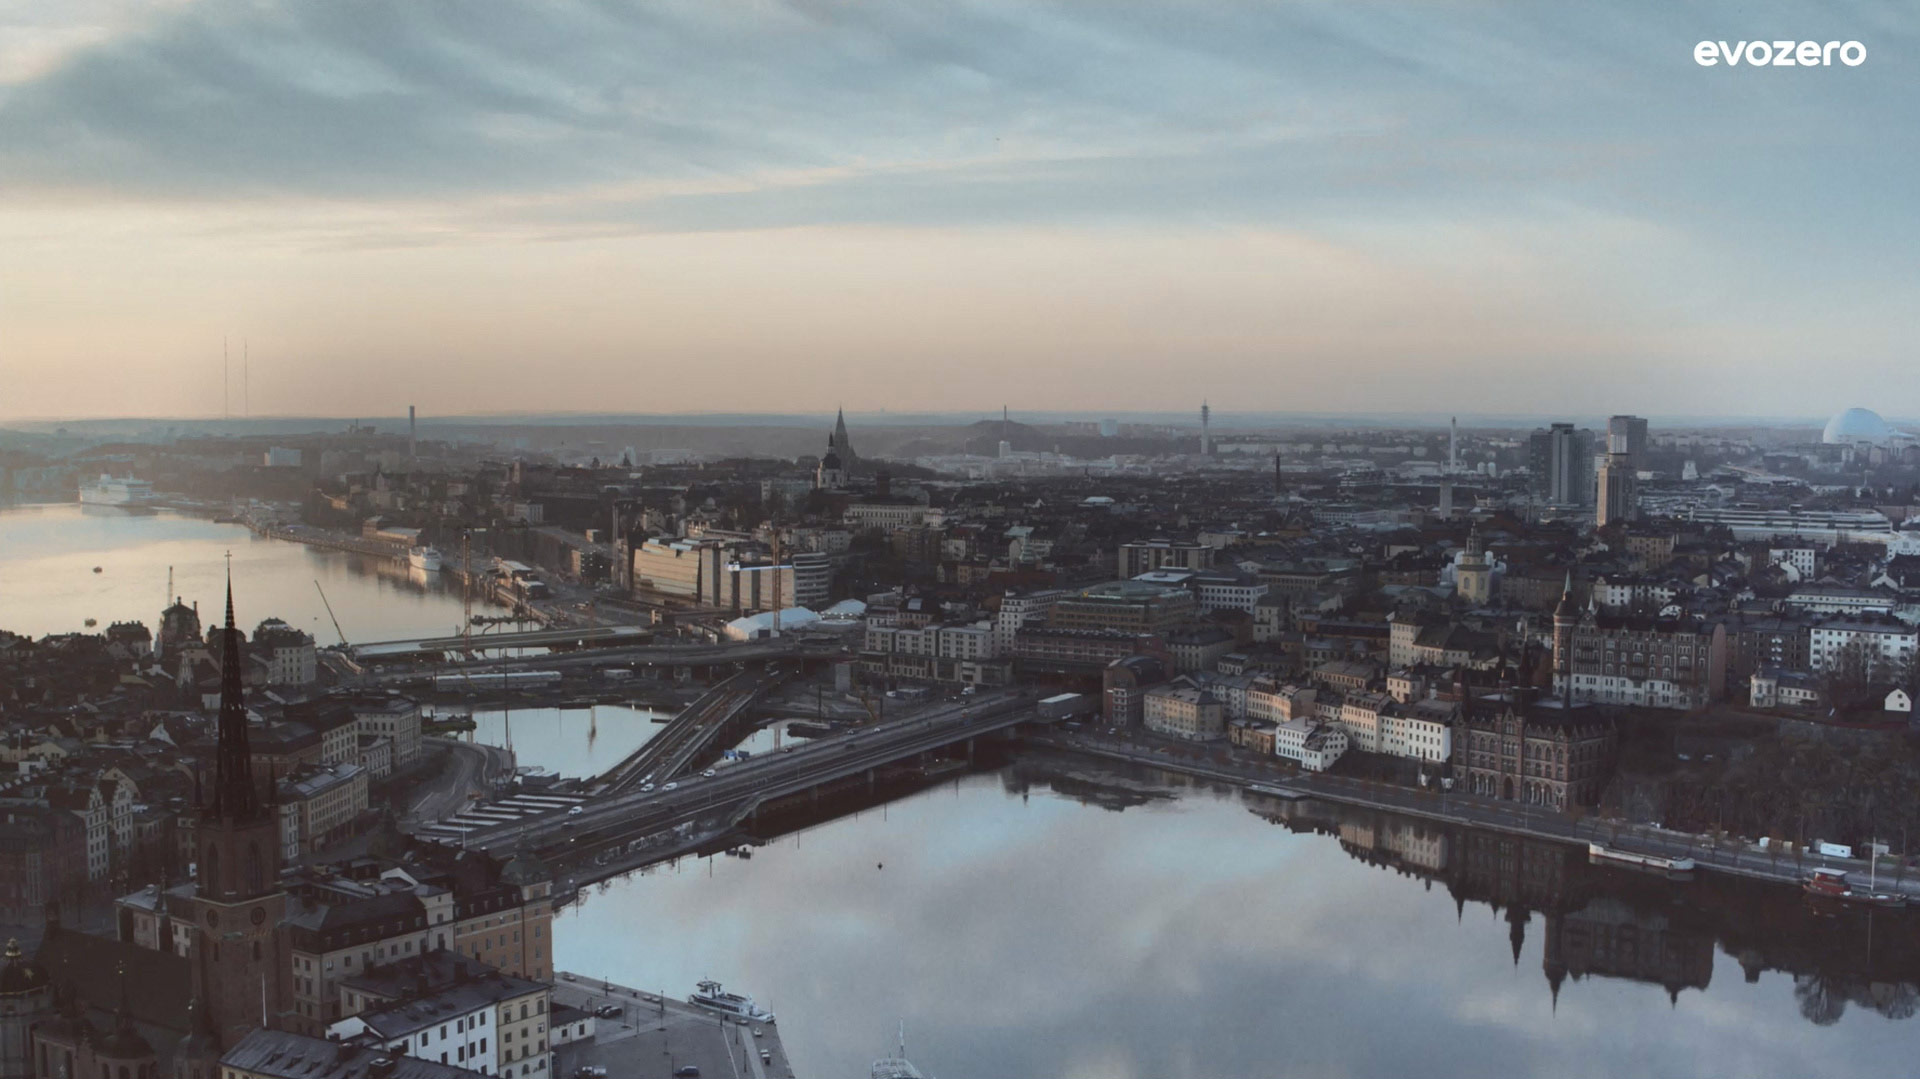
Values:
[(1561, 460), (1614, 489), (1206, 435), (1628, 435)]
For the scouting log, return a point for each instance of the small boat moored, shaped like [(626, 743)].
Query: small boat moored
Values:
[(1657, 863)]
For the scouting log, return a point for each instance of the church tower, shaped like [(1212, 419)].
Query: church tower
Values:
[(842, 445), (832, 473), (237, 903), (1564, 619)]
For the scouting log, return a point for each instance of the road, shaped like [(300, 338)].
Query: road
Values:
[(735, 788), (1238, 770), (469, 770)]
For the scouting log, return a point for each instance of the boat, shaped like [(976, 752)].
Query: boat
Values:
[(112, 491), (1826, 883), (98, 569), (710, 995), (423, 558), (1657, 863)]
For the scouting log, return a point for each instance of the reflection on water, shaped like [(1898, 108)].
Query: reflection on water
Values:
[(47, 583), (1119, 931), (577, 742)]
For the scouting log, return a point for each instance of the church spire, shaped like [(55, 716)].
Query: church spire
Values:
[(234, 795)]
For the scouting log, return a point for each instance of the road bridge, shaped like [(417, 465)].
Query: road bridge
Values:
[(576, 637), (691, 736), (632, 819), (698, 657)]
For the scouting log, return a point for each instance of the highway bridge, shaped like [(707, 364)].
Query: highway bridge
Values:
[(577, 637), (692, 735), (698, 657), (634, 820)]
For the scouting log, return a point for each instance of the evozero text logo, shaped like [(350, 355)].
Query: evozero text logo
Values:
[(1779, 53)]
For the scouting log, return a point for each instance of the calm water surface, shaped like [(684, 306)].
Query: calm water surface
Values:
[(575, 742), (1022, 931), (47, 583)]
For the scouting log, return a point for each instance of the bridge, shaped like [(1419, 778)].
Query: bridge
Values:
[(633, 820), (579, 637), (698, 657), (691, 735)]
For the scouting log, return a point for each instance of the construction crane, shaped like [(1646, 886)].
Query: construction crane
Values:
[(329, 607)]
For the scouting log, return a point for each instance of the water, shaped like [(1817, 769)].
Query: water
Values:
[(47, 583), (1018, 931), (577, 742)]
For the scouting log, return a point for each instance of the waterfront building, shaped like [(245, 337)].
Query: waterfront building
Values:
[(281, 1054), (1181, 709), (1123, 684), (441, 1006), (1514, 748), (1311, 744)]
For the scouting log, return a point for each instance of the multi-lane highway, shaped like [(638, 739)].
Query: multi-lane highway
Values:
[(691, 735), (735, 790)]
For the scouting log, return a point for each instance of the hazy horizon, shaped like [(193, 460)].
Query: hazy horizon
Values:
[(1486, 208)]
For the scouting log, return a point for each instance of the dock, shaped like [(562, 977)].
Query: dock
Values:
[(656, 1035)]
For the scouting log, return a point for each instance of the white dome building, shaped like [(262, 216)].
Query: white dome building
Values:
[(1856, 425)]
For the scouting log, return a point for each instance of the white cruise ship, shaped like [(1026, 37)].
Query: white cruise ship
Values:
[(423, 558), (112, 491)]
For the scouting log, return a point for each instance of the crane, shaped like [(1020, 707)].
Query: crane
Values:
[(329, 607)]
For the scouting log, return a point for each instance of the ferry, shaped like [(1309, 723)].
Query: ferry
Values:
[(1655, 862), (710, 995), (111, 491), (423, 558)]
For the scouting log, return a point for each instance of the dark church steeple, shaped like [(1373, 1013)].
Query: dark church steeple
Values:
[(235, 796)]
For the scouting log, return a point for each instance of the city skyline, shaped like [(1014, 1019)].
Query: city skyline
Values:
[(1489, 210)]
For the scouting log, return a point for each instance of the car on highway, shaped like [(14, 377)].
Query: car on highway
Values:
[(670, 787), (575, 811), (646, 788), (709, 773)]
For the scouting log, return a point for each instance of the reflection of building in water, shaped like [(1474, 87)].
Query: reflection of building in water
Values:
[(1407, 841), (1610, 939)]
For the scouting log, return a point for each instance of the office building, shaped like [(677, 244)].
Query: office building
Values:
[(1560, 459)]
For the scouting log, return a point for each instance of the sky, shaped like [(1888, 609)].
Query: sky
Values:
[(765, 206)]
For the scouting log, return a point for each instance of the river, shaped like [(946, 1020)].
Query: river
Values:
[(1060, 918), (48, 585)]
